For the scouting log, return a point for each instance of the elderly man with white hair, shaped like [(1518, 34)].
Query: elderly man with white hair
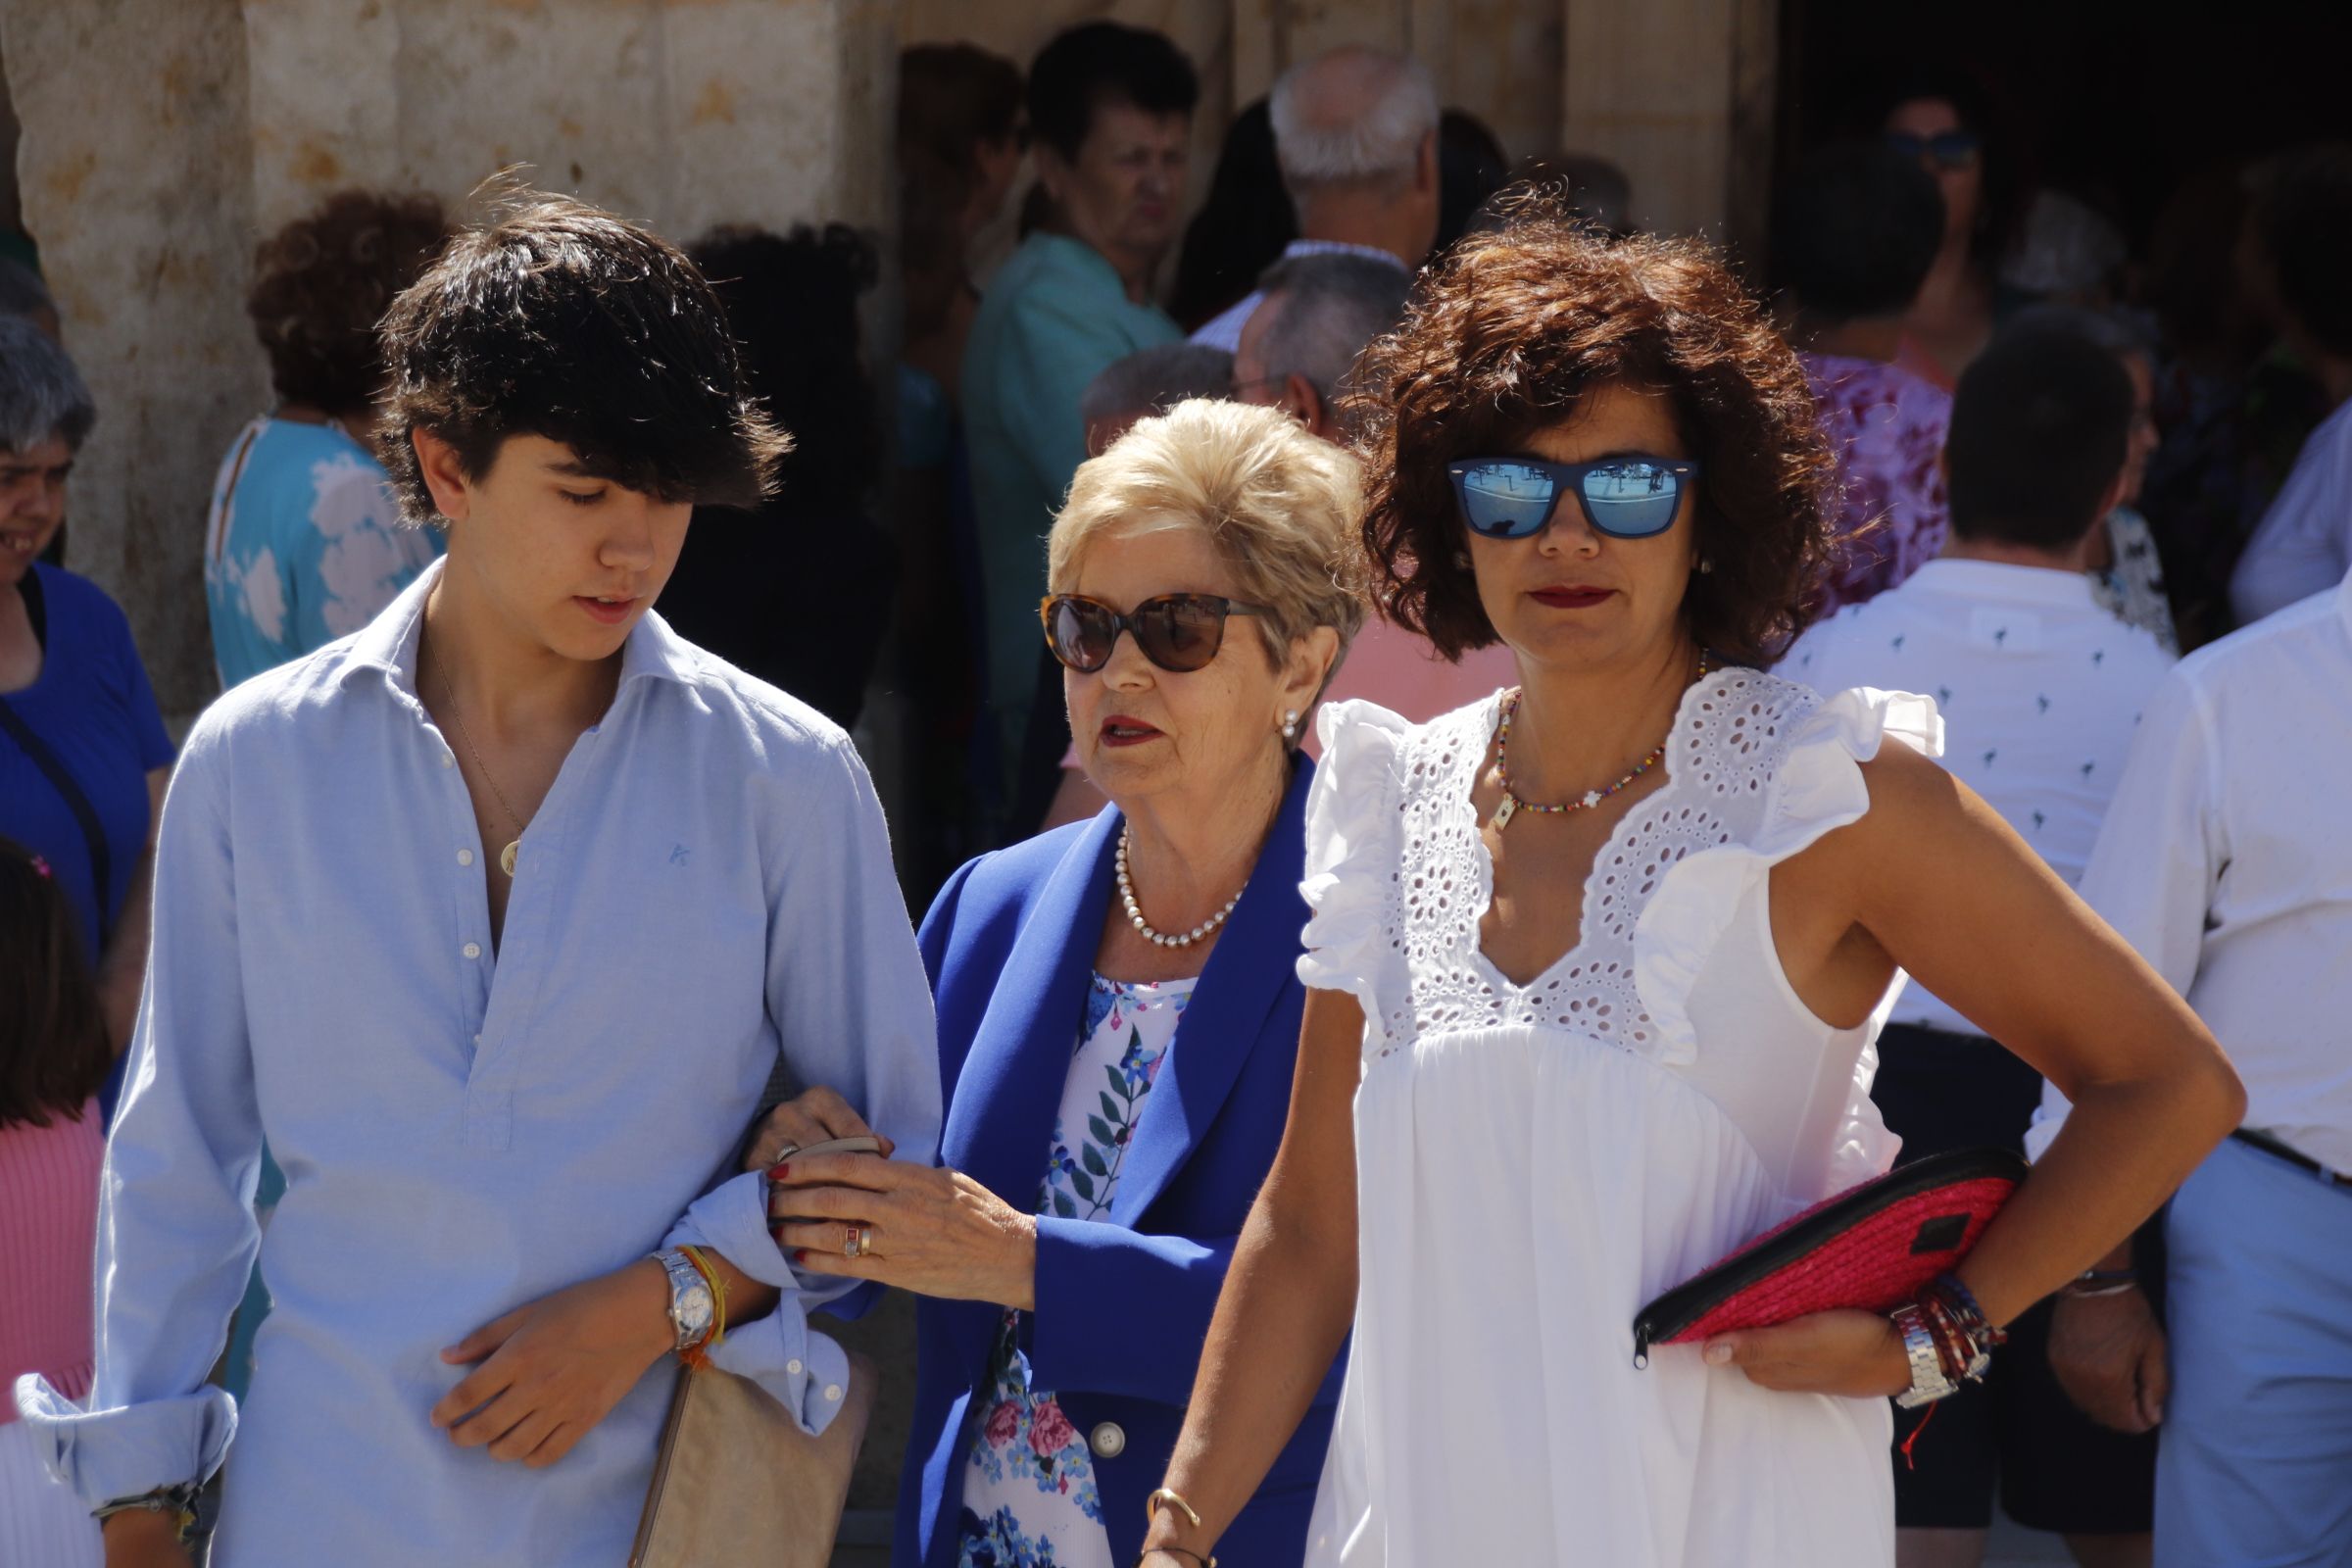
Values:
[(1355, 132)]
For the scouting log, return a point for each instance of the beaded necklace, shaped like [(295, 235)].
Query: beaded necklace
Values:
[(1513, 804)]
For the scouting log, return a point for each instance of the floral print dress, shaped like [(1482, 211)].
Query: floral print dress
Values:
[(1029, 1496)]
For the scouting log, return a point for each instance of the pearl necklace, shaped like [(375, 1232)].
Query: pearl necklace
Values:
[(1134, 914)]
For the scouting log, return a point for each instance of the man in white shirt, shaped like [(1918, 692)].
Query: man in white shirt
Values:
[(2225, 861), (2303, 545), (1355, 132), (2041, 688)]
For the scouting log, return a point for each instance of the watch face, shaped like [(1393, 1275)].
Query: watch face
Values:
[(693, 1310)]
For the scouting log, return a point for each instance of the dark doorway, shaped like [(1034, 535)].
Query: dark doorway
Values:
[(2116, 103)]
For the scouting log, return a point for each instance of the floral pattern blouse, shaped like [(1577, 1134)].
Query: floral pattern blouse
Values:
[(1029, 1495), (1885, 427)]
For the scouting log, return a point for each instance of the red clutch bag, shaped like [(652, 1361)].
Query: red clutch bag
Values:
[(1871, 1247)]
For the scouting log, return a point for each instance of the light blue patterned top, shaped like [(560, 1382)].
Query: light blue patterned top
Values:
[(1029, 1494), (304, 545), (463, 1130)]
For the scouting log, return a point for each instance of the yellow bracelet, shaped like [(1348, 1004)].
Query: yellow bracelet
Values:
[(718, 1297), (1165, 1498)]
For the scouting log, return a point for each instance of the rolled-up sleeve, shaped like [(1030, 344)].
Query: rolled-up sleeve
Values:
[(176, 1236), (2153, 873), (847, 991)]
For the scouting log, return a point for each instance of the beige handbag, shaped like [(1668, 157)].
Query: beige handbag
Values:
[(735, 1481)]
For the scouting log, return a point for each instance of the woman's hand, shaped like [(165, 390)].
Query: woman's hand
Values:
[(814, 1116), (557, 1367), (936, 1233), (1858, 1354)]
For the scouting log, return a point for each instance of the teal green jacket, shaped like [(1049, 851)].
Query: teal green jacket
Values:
[(1055, 317)]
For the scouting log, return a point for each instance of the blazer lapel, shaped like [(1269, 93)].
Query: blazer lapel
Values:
[(1253, 961), (1005, 1102)]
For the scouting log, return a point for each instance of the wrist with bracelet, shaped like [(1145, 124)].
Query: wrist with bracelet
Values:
[(1164, 1497), (1947, 1339), (177, 1502), (2092, 1283)]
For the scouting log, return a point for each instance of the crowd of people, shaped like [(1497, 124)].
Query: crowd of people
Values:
[(1470, 762)]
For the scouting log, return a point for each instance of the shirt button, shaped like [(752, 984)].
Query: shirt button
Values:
[(833, 1391), (449, 758), (793, 1367), (474, 949), (465, 856), (1108, 1440)]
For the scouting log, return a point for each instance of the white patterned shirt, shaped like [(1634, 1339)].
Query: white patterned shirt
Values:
[(2225, 862), (2039, 687)]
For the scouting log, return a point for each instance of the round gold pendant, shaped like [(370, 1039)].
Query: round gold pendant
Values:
[(506, 857)]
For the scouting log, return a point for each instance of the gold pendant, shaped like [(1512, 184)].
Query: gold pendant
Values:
[(1503, 812), (505, 858)]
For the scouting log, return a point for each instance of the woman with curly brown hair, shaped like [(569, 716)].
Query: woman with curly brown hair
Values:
[(303, 543), (1518, 1115)]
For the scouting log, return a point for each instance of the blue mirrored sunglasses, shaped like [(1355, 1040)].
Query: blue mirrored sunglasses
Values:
[(1624, 498), (1951, 149)]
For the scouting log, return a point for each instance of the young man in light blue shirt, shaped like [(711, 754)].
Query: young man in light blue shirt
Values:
[(493, 918)]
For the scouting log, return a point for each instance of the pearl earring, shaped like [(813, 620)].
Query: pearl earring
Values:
[(1706, 565), (1289, 725)]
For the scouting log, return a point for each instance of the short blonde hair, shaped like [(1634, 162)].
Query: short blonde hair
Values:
[(1284, 509)]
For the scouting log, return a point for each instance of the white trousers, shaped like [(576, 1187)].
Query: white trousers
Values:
[(43, 1523)]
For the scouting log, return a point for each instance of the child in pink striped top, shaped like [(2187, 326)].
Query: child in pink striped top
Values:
[(53, 1056)]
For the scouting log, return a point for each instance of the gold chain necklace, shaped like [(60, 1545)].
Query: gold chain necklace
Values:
[(506, 855), (1512, 805)]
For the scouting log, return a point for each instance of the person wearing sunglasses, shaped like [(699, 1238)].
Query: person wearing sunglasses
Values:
[(1118, 1017), (1943, 127), (1596, 966)]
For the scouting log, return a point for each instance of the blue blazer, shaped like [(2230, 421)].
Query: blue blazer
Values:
[(1122, 1307)]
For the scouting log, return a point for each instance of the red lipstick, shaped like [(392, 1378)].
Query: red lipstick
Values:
[(1570, 596)]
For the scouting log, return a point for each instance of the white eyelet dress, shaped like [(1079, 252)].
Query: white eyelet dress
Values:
[(1533, 1164)]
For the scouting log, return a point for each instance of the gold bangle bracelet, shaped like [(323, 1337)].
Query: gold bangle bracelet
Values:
[(1167, 1499)]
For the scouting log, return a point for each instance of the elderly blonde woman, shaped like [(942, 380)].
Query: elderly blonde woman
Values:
[(1118, 1016)]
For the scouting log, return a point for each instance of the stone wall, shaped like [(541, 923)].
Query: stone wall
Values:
[(136, 174), (163, 137)]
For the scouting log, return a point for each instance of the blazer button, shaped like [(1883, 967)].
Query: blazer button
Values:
[(1108, 1440)]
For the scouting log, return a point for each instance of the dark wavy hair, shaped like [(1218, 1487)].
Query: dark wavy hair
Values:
[(322, 282), (560, 321), (53, 1048), (1500, 340)]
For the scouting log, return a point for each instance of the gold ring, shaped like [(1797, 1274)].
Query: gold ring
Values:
[(855, 1246)]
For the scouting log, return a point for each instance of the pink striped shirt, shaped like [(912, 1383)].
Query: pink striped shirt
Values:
[(48, 1232)]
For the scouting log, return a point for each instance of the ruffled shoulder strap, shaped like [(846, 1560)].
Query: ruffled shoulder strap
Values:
[(1780, 765), (1352, 823)]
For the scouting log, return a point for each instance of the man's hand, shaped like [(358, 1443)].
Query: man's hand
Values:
[(2107, 1352), (1854, 1353), (549, 1372), (141, 1537), (815, 1116)]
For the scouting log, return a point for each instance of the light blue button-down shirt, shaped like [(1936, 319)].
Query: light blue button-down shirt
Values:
[(464, 1132)]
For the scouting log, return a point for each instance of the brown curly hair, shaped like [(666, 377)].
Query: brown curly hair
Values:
[(1502, 337), (322, 282)]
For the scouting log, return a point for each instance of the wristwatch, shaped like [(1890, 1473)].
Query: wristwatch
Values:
[(691, 1309), (1928, 1382)]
